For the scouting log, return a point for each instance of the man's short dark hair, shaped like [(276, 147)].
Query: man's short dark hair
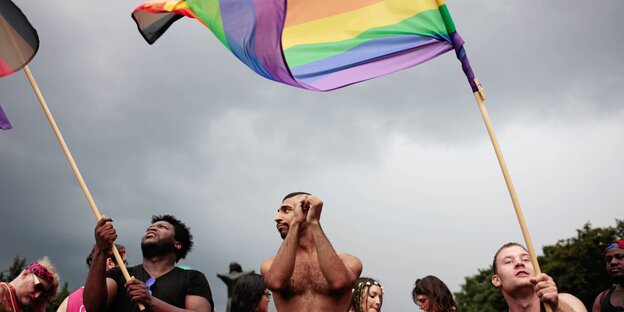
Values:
[(182, 234), (293, 194), (121, 248), (500, 249)]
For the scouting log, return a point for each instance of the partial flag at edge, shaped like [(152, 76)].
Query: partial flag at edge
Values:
[(4, 121), (19, 43)]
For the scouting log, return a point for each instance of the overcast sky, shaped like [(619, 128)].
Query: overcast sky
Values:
[(403, 163)]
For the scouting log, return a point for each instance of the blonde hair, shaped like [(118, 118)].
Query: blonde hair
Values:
[(54, 285)]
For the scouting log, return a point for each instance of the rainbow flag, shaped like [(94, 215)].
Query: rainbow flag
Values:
[(318, 45), (18, 44)]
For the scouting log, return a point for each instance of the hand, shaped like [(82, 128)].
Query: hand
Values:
[(137, 291), (546, 289), (315, 206), (301, 212), (105, 234), (39, 304)]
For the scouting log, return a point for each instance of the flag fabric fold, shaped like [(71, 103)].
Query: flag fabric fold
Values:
[(19, 43), (4, 121), (318, 45)]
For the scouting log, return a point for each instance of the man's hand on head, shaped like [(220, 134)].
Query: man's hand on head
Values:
[(546, 289), (315, 206), (301, 212)]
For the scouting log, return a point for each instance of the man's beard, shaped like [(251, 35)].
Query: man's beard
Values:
[(156, 249), (618, 279)]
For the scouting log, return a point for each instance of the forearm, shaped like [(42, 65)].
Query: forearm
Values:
[(95, 293), (569, 303), (334, 269), (278, 275)]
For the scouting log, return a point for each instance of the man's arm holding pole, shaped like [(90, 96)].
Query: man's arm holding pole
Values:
[(96, 294)]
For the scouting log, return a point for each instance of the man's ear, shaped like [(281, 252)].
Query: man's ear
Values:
[(496, 281), (110, 264), (177, 245)]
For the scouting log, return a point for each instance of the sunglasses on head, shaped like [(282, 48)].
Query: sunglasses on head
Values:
[(38, 285)]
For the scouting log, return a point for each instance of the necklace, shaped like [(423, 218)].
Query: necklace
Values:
[(11, 298)]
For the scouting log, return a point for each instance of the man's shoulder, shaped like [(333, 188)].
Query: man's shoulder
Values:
[(187, 270), (188, 274), (347, 255), (351, 261), (575, 303), (266, 264)]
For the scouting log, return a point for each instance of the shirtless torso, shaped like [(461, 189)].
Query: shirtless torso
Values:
[(296, 274), (308, 289)]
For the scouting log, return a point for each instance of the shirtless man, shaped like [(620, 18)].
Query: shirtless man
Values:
[(307, 274), (523, 291)]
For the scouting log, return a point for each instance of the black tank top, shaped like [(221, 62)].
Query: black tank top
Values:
[(606, 306)]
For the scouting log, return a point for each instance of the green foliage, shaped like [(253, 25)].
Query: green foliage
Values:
[(576, 264), (16, 268), (478, 294)]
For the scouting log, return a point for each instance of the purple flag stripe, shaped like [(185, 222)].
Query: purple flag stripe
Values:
[(270, 17), (381, 67), (4, 121), (367, 52)]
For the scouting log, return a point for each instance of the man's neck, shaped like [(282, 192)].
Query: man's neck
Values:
[(306, 240), (159, 265), (523, 300)]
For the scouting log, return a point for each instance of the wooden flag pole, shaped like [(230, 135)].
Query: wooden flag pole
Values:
[(74, 168), (480, 97), (66, 151)]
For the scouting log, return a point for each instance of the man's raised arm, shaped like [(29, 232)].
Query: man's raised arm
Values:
[(278, 270), (341, 272), (97, 295)]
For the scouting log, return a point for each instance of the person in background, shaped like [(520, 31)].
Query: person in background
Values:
[(432, 295), (73, 302), (250, 295), (34, 286), (367, 296)]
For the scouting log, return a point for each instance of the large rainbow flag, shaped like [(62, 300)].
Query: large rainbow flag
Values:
[(318, 44)]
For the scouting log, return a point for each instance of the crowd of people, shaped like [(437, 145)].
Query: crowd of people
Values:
[(306, 274)]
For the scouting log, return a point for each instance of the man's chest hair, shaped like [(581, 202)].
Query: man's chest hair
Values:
[(308, 277)]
